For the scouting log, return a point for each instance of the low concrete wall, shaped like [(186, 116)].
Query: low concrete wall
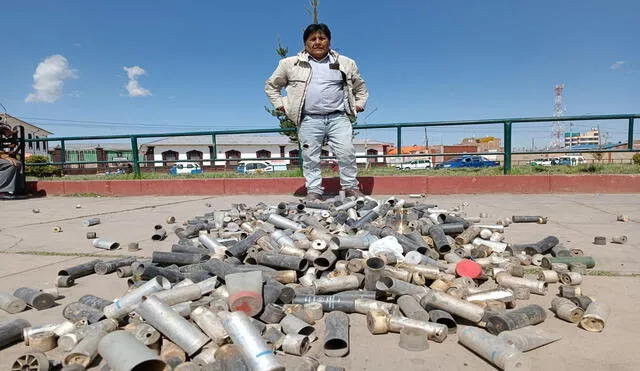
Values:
[(516, 184)]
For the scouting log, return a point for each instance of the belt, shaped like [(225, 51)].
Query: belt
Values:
[(323, 114)]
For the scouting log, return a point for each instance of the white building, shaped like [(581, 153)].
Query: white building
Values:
[(240, 146), (591, 137), (30, 132)]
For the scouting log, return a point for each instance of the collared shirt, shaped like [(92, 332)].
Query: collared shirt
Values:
[(325, 92)]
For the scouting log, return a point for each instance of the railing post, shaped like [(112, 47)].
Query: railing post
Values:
[(399, 142), (300, 156), (214, 149), (136, 158), (507, 148), (630, 136), (63, 155)]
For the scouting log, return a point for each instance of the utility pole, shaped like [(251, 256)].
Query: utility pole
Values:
[(570, 135), (599, 136), (533, 144)]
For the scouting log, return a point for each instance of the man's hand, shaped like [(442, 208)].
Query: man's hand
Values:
[(359, 109)]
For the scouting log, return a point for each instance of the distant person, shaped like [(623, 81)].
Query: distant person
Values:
[(12, 184), (324, 94)]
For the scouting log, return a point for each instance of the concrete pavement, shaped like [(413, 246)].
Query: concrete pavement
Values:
[(32, 254)]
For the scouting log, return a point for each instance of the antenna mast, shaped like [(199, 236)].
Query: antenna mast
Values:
[(557, 132)]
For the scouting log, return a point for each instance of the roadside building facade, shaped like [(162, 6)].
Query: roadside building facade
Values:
[(31, 131)]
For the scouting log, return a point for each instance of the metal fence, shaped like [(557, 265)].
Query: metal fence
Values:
[(507, 124)]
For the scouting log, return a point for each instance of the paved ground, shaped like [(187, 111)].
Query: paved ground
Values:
[(32, 254)]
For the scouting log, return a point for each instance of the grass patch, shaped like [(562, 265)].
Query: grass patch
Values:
[(379, 171)]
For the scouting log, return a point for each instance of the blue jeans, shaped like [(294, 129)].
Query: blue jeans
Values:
[(339, 132)]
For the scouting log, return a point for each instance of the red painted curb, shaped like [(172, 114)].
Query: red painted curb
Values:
[(516, 184)]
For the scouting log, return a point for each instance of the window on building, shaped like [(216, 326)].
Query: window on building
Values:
[(293, 154), (371, 152), (232, 154), (195, 156), (37, 143), (45, 146), (30, 136), (168, 157), (263, 153)]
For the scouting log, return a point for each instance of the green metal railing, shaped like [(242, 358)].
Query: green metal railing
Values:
[(507, 124)]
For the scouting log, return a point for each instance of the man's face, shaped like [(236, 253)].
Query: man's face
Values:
[(317, 45)]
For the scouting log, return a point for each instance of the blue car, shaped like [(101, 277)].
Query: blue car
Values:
[(467, 161)]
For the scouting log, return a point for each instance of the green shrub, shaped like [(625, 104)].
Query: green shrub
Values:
[(40, 171), (636, 158)]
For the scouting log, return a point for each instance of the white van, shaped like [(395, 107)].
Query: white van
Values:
[(249, 167), (572, 160)]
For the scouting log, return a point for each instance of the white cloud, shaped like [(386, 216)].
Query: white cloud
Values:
[(617, 65), (133, 85), (49, 79), (77, 45)]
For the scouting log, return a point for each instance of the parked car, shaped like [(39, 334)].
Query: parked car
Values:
[(415, 165), (185, 168), (544, 161), (250, 167), (467, 161)]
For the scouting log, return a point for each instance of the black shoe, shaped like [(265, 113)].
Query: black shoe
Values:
[(312, 196), (10, 196)]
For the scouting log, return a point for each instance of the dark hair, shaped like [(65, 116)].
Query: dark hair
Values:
[(316, 27)]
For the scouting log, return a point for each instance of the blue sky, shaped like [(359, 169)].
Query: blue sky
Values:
[(205, 62)]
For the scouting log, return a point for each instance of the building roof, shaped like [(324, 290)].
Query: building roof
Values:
[(70, 146), (14, 121), (238, 139)]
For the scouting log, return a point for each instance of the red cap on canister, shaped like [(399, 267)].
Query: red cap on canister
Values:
[(468, 268)]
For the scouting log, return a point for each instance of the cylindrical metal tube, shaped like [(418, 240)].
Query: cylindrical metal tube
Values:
[(111, 266), (567, 291), (178, 258), (548, 276), (436, 331), (595, 317), (124, 272), (325, 260), (282, 261), (295, 344), (35, 298), (159, 315), (541, 247), (528, 338), (211, 324), (566, 310), (412, 308), (245, 292), (11, 304), (103, 243), (336, 341), (586, 260), (282, 222), (459, 307), (77, 311), (334, 284), (86, 350), (123, 305), (571, 278), (529, 315), (123, 352), (11, 331), (399, 287), (373, 271), (255, 351), (444, 318), (439, 239), (329, 302), (529, 219), (179, 294), (493, 349), (149, 271), (504, 279)]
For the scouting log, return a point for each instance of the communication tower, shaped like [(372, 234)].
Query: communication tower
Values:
[(557, 132)]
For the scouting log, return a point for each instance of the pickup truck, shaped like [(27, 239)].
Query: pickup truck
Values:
[(415, 165), (467, 161)]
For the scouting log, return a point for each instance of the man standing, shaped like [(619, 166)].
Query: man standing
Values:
[(324, 94)]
